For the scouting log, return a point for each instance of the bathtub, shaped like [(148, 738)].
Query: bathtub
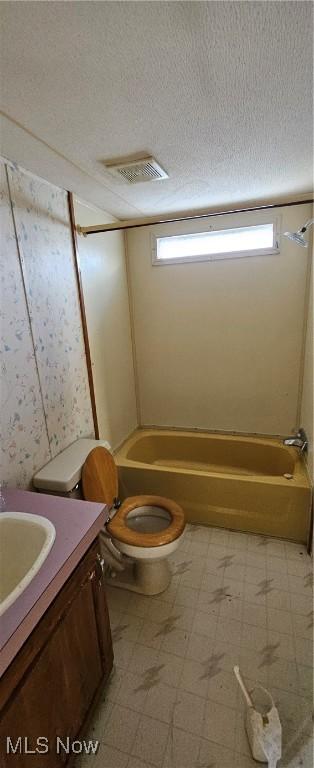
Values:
[(250, 484)]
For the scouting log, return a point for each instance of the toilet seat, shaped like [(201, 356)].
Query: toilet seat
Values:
[(118, 528), (100, 483)]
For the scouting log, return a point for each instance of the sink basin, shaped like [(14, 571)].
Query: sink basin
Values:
[(25, 542)]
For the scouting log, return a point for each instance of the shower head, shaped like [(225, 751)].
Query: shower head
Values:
[(298, 237)]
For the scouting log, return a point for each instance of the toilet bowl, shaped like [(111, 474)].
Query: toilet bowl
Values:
[(148, 529), (143, 529), (139, 535)]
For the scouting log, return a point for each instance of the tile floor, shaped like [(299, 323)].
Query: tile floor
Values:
[(172, 700)]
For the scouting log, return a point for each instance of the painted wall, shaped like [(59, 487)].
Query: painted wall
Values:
[(45, 399), (308, 385), (103, 269), (218, 344)]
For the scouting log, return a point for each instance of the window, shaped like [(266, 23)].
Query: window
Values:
[(254, 240)]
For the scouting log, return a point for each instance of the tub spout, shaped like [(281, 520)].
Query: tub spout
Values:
[(298, 441)]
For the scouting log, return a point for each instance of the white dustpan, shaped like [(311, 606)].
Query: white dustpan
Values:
[(263, 727)]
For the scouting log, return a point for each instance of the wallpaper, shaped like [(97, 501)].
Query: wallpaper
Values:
[(24, 441), (48, 359)]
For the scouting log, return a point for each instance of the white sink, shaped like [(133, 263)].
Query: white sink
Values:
[(25, 542)]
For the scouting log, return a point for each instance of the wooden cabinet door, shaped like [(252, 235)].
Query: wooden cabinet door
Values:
[(58, 689)]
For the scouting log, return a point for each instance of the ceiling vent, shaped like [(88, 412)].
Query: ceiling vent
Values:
[(136, 170)]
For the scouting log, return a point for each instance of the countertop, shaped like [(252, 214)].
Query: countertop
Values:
[(77, 524)]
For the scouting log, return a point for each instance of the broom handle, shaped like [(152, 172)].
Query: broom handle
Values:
[(243, 688)]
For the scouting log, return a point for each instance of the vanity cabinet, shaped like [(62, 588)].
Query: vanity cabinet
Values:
[(50, 688)]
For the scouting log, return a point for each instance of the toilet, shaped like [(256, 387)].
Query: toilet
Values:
[(139, 534)]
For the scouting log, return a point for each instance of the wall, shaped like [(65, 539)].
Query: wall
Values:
[(45, 399), (103, 270), (218, 344), (308, 387)]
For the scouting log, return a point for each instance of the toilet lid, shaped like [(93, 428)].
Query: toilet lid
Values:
[(100, 477)]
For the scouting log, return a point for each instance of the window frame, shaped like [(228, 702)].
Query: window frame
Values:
[(275, 249)]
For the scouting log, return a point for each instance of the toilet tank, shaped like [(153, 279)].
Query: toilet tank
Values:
[(62, 475)]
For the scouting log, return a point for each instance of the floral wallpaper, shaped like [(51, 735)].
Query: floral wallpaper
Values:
[(41, 305), (24, 441)]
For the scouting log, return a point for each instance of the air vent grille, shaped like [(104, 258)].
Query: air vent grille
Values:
[(137, 170)]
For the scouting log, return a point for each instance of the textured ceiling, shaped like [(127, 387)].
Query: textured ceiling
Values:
[(219, 92)]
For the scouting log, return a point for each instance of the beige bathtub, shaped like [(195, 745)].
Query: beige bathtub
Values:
[(222, 480)]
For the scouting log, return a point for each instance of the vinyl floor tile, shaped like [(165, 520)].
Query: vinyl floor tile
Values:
[(121, 728), (182, 750), (189, 712), (151, 740), (219, 724), (160, 702), (172, 700)]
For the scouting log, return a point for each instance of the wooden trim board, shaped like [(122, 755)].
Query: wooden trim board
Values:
[(83, 313)]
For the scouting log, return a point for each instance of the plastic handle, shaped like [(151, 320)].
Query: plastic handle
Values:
[(243, 688)]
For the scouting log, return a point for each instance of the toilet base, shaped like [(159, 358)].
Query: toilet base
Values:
[(146, 577), (152, 576)]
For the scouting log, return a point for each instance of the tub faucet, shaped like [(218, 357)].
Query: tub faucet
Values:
[(298, 441)]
